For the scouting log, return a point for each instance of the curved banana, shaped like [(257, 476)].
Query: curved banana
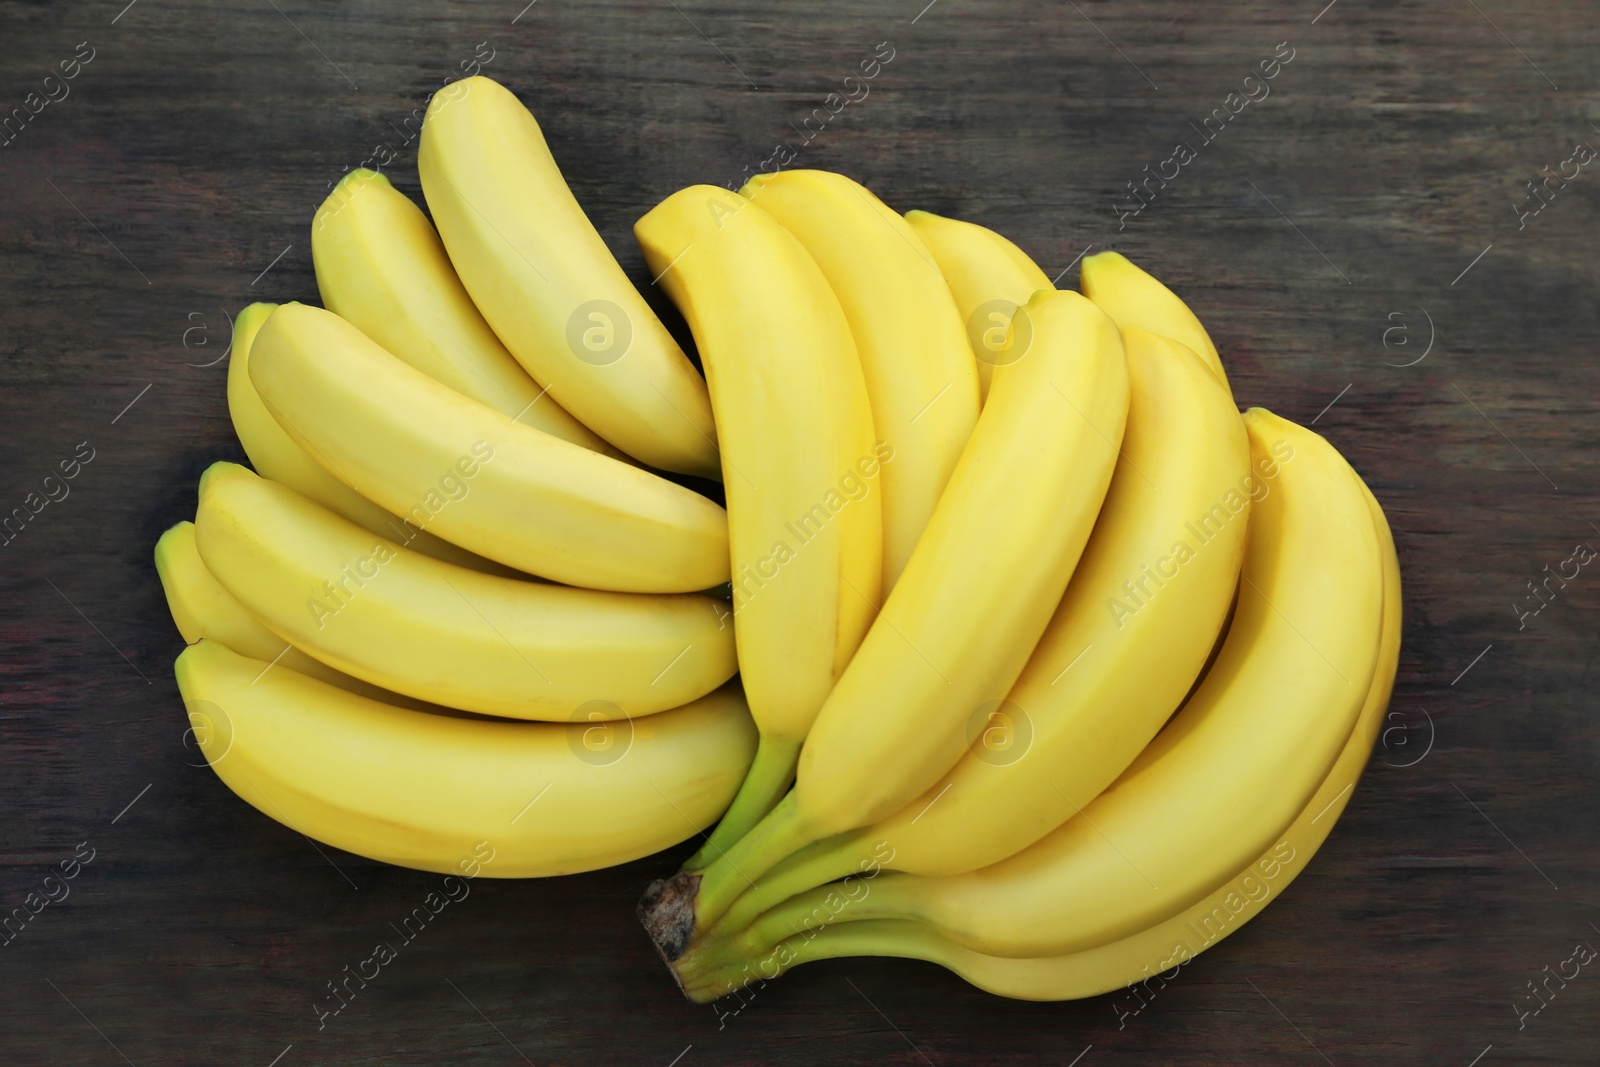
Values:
[(802, 470), (479, 642), (1154, 953), (420, 790), (274, 454), (921, 379), (1137, 623), (989, 277), (1135, 298), (202, 608), (491, 485), (958, 629), (550, 288), (381, 268), (1246, 753)]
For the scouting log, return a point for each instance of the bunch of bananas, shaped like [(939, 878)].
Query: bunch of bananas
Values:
[(1052, 667)]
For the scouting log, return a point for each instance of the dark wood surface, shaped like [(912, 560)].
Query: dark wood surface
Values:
[(1387, 160)]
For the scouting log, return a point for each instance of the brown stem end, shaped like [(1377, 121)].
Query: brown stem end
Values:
[(667, 912)]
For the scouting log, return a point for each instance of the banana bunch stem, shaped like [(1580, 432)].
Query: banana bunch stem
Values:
[(880, 937), (769, 778)]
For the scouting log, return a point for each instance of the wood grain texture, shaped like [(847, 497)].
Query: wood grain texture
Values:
[(190, 155)]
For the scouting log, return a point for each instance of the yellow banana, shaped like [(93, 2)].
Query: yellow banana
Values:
[(921, 379), (959, 627), (802, 470), (504, 490), (990, 279), (202, 608), (1135, 299), (274, 454), (1159, 573), (1229, 774), (381, 268), (479, 642), (421, 790), (550, 288), (1154, 953)]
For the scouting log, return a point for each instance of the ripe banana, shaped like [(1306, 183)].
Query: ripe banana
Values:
[(420, 790), (486, 483), (1153, 953), (202, 608), (1134, 298), (498, 646), (381, 268), (921, 379), (549, 287), (1225, 779), (959, 627), (1137, 623), (802, 471), (990, 279), (274, 454)]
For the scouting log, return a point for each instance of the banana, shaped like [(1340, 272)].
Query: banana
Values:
[(959, 627), (422, 791), (802, 470), (496, 487), (275, 455), (202, 608), (547, 284), (381, 268), (1137, 623), (1134, 298), (989, 277), (1229, 774), (1152, 953), (497, 646), (921, 378)]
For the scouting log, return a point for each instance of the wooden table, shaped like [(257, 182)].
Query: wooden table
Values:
[(1352, 240)]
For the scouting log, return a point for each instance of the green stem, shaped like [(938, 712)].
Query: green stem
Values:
[(906, 940), (764, 785), (830, 858), (856, 899), (772, 840)]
